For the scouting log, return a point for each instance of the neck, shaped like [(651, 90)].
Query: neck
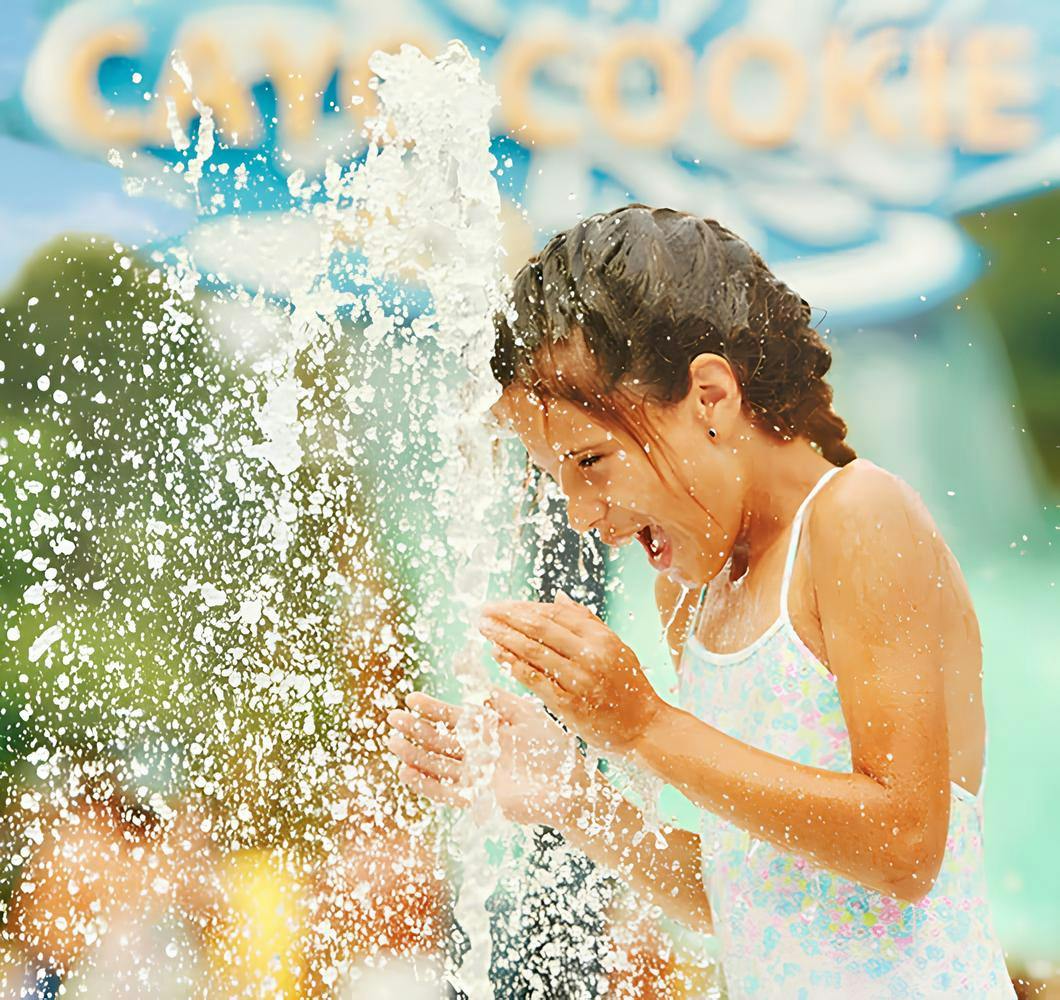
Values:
[(780, 475)]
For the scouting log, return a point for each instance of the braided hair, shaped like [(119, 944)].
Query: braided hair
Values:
[(629, 298)]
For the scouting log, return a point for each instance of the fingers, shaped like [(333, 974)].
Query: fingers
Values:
[(433, 765), (534, 680), (432, 788), (542, 626), (530, 677), (433, 736), (575, 618), (565, 674), (510, 707), (433, 709), (431, 756), (563, 614)]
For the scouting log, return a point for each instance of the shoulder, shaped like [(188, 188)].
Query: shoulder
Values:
[(870, 502), (869, 532)]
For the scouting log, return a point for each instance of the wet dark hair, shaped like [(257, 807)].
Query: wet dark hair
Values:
[(623, 302)]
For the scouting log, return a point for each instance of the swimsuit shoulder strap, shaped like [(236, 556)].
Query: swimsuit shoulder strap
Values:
[(789, 563), (793, 543)]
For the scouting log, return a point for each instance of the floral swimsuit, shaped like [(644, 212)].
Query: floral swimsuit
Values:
[(792, 930)]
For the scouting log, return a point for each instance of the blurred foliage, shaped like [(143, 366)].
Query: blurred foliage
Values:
[(74, 324), (1019, 288), (271, 728)]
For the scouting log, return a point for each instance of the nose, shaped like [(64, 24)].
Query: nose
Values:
[(584, 508), (582, 515)]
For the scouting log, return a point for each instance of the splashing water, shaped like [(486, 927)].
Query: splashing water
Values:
[(219, 593), (450, 209), (241, 525)]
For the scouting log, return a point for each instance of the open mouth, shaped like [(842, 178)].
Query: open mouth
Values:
[(657, 544)]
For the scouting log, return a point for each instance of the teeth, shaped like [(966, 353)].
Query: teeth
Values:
[(652, 543)]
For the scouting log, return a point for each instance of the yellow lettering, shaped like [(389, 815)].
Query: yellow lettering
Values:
[(299, 88), (930, 61), (729, 57), (214, 84), (847, 89), (991, 88), (672, 61), (516, 64), (99, 121)]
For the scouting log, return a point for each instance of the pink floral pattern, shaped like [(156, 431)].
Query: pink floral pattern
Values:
[(791, 929)]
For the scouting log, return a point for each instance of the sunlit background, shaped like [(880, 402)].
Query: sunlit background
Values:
[(895, 163)]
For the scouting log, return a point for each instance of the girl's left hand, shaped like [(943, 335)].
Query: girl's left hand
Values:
[(577, 666)]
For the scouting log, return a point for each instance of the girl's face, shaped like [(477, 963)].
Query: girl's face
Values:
[(680, 496)]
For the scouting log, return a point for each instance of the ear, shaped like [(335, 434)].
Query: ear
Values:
[(714, 392)]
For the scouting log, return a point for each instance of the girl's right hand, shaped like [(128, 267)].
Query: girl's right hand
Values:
[(538, 775)]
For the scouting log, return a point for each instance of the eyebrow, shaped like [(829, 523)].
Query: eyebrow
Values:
[(580, 451)]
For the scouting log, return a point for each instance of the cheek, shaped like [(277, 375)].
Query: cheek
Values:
[(633, 482), (662, 485)]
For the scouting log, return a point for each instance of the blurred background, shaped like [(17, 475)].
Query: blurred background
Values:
[(895, 163)]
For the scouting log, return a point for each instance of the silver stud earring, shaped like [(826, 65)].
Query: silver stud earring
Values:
[(713, 433)]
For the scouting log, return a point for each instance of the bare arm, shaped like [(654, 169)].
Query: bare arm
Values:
[(878, 573), (668, 872), (671, 876), (539, 778), (666, 869), (883, 824)]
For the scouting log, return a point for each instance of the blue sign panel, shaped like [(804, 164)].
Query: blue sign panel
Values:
[(839, 137)]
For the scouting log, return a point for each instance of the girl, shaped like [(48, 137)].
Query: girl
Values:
[(831, 722)]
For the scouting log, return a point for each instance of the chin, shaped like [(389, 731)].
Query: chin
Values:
[(679, 577)]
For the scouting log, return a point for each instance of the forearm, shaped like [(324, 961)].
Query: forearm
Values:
[(615, 834), (848, 822)]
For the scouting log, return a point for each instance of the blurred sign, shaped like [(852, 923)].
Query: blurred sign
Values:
[(230, 50), (839, 139)]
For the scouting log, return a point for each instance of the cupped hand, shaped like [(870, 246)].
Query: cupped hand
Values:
[(537, 776), (577, 666)]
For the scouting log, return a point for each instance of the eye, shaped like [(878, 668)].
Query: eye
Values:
[(584, 463)]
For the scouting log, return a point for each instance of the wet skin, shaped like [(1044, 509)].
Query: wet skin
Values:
[(876, 596)]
